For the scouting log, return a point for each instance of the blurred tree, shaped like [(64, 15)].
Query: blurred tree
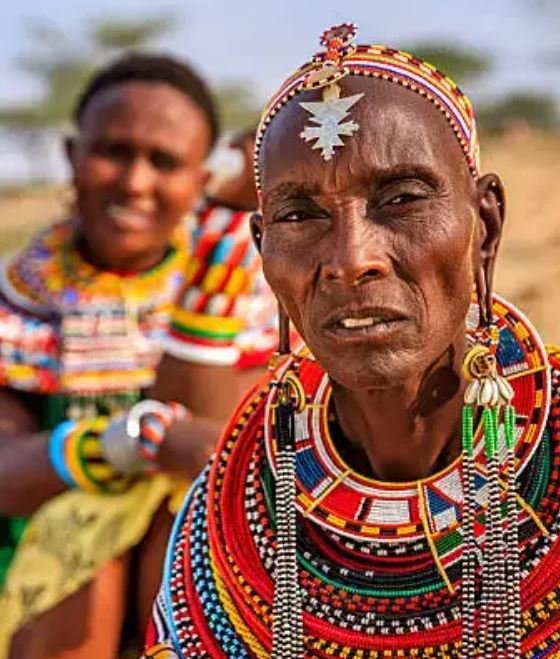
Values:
[(526, 109), (119, 34), (62, 64), (239, 110), (521, 108)]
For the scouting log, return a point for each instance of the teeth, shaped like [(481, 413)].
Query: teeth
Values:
[(116, 210), (129, 218), (119, 211), (353, 323)]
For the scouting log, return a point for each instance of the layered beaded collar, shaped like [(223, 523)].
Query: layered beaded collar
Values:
[(51, 277), (341, 501), (379, 563), (69, 327)]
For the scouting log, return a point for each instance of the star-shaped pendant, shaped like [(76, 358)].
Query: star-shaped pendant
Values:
[(328, 115)]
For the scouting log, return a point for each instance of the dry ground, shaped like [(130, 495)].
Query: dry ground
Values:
[(529, 268), (529, 264)]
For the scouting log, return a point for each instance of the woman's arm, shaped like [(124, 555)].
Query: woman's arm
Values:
[(27, 478), (208, 391)]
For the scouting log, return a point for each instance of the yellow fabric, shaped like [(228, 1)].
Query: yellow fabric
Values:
[(69, 539)]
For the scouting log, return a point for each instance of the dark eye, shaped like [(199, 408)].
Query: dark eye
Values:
[(300, 211), (404, 198), (291, 216), (116, 151), (165, 162)]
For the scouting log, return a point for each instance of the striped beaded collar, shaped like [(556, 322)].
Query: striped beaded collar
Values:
[(69, 327), (337, 498)]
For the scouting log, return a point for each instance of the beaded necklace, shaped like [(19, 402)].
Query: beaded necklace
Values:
[(379, 565), (69, 328)]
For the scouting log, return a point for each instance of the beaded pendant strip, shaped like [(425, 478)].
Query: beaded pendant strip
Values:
[(379, 565)]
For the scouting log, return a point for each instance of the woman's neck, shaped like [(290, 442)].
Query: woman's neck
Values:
[(406, 432), (132, 265)]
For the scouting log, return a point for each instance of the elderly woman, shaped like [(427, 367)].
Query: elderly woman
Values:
[(83, 309), (392, 489)]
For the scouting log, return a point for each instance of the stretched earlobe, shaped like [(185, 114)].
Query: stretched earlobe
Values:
[(284, 347), (484, 296), (491, 211), (256, 226)]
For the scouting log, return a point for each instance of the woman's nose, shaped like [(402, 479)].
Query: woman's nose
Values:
[(358, 254), (138, 177)]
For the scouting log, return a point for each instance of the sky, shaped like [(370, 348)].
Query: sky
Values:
[(261, 42)]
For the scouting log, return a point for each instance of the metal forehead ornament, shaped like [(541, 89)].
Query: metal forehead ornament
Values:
[(328, 125)]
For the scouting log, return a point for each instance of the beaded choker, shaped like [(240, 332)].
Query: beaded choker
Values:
[(343, 501)]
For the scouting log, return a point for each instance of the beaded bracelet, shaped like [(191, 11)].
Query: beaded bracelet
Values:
[(57, 441), (154, 425), (76, 455), (99, 474)]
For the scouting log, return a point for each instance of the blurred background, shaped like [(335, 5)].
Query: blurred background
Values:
[(505, 54)]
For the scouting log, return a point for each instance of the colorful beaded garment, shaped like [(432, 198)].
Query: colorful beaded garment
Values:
[(379, 563), (84, 339), (226, 313), (89, 340), (68, 328)]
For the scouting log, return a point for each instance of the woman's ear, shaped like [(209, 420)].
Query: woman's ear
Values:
[(491, 213), (491, 210), (256, 224), (69, 145)]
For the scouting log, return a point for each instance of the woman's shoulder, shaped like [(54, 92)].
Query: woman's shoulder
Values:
[(28, 327), (27, 274), (246, 421), (225, 313)]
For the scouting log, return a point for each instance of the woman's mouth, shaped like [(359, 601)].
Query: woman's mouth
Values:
[(366, 323), (130, 218)]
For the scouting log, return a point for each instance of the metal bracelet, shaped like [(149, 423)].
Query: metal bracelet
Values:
[(120, 440)]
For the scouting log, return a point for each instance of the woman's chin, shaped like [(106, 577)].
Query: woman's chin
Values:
[(374, 374)]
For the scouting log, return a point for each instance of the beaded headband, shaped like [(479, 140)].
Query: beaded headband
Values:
[(340, 58)]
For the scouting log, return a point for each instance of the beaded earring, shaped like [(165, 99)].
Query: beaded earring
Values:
[(488, 397), (287, 628)]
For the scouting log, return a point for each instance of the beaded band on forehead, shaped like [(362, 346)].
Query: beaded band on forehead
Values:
[(383, 63)]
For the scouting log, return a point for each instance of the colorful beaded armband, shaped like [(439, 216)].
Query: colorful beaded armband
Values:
[(76, 455), (154, 425)]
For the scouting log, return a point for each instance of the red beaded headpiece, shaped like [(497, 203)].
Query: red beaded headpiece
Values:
[(341, 57)]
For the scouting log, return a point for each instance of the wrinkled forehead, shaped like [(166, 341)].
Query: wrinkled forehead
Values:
[(379, 127)]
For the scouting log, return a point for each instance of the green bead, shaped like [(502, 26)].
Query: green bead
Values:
[(468, 430), (509, 425), (490, 431)]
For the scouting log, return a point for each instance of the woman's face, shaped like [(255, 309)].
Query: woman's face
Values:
[(372, 254), (138, 167)]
